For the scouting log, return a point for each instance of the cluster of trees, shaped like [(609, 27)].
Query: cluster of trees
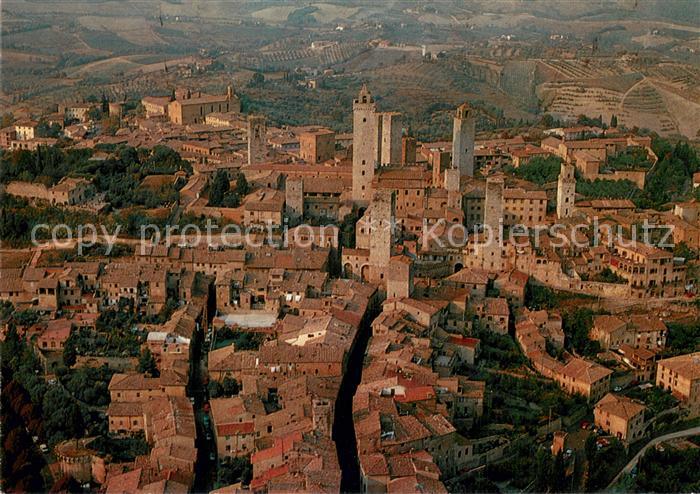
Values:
[(20, 217), (20, 460), (220, 193), (540, 170), (88, 384), (531, 467), (147, 364), (682, 338), (538, 297), (603, 463), (63, 417), (577, 323), (121, 448), (668, 181), (671, 178), (525, 401), (606, 275), (609, 189), (499, 351), (234, 470), (670, 470), (244, 340), (633, 158), (114, 337), (119, 176), (227, 387)]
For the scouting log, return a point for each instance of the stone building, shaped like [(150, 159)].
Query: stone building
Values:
[(317, 146), (257, 130), (193, 109), (620, 416), (294, 198), (493, 217), (463, 136), (681, 376), (566, 191), (391, 145), (365, 146), (381, 235)]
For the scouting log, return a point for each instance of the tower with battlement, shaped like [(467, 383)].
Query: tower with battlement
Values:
[(452, 186), (566, 191), (408, 150), (463, 135), (381, 237), (493, 218), (391, 138), (365, 145), (294, 198), (257, 145)]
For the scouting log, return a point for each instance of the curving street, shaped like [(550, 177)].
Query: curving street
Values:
[(672, 435)]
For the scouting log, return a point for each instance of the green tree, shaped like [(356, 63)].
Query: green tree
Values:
[(214, 389), (230, 386), (613, 121), (543, 470), (256, 80), (242, 187), (147, 364), (540, 170), (219, 187), (70, 354)]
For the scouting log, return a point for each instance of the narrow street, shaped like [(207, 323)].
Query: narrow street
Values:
[(343, 427), (205, 467)]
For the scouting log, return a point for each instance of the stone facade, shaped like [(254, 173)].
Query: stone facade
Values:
[(566, 190), (463, 136), (257, 130), (365, 146)]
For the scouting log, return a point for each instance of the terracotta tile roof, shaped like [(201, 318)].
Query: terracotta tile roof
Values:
[(374, 464), (465, 341), (280, 446), (608, 324), (235, 429), (124, 409), (620, 406), (585, 371)]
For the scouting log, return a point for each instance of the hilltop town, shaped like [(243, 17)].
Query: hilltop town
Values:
[(384, 314)]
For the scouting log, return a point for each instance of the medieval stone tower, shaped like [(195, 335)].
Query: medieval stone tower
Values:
[(408, 150), (257, 130), (322, 415), (383, 210), (463, 135), (399, 277), (493, 217), (294, 198), (391, 138), (454, 196), (566, 190), (365, 146)]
